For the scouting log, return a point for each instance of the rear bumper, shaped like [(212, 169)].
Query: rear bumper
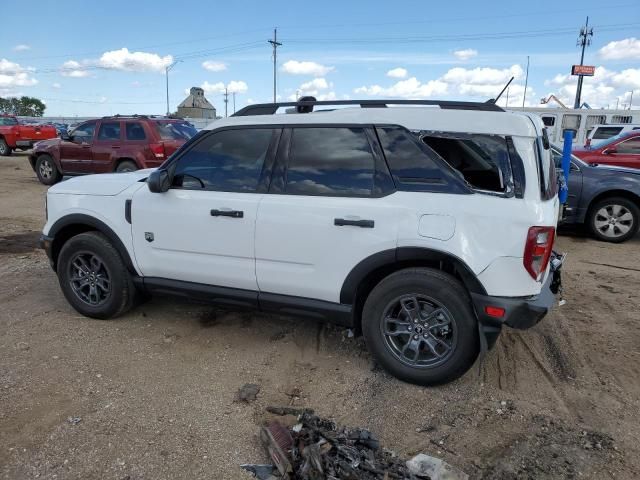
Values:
[(520, 313)]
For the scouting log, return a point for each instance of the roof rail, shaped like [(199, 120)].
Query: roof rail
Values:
[(303, 105)]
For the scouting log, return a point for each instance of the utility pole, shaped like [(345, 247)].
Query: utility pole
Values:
[(226, 100), (166, 72), (526, 82), (275, 44), (234, 102), (584, 40), (631, 100), (617, 102)]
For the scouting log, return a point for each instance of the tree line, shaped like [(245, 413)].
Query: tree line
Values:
[(23, 106)]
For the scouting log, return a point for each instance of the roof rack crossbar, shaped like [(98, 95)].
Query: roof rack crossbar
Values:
[(271, 108)]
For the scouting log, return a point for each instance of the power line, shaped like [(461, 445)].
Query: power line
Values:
[(275, 44)]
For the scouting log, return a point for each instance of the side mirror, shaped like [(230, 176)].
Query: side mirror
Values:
[(158, 181), (610, 150)]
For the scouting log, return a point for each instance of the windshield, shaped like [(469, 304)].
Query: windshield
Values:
[(8, 121), (175, 130)]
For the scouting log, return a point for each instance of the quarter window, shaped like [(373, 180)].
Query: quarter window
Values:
[(109, 131), (134, 131), (226, 161), (330, 161)]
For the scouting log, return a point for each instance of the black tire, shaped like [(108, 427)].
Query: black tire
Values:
[(614, 219), (126, 166), (5, 150), (80, 250), (439, 294), (46, 170)]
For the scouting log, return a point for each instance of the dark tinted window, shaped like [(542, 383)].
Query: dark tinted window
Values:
[(175, 130), (410, 163), (629, 146), (229, 161), (549, 121), (109, 131), (84, 131), (134, 131), (330, 161), (602, 133)]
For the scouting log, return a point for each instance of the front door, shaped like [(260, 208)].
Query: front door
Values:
[(202, 229), (326, 218), (75, 153)]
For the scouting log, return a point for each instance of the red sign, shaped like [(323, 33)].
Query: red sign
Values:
[(585, 70)]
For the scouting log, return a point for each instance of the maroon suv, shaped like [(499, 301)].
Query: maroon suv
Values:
[(110, 144)]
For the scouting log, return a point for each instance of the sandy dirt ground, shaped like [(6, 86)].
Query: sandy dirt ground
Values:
[(151, 395)]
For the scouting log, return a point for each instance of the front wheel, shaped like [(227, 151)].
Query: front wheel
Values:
[(420, 326), (94, 278), (46, 170), (614, 219), (5, 150)]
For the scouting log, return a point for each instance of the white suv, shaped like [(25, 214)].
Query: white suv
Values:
[(342, 215)]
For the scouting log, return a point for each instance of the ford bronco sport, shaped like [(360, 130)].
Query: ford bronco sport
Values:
[(342, 215)]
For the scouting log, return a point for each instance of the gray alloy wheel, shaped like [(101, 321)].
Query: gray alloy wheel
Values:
[(89, 278), (419, 331), (126, 166), (46, 169), (614, 219)]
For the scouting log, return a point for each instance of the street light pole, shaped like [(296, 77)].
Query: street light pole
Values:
[(166, 72)]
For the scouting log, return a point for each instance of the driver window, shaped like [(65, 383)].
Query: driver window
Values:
[(226, 161), (84, 132)]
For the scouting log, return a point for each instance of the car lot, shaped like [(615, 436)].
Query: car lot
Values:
[(151, 395)]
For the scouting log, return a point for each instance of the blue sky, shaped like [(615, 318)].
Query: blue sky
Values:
[(99, 58)]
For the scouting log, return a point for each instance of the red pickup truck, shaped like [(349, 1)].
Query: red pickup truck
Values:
[(13, 135)]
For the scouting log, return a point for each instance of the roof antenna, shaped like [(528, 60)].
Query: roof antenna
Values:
[(495, 100)]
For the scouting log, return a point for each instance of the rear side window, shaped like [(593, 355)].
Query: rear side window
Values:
[(482, 159), (109, 131), (330, 161), (175, 130), (602, 133), (226, 161), (134, 131)]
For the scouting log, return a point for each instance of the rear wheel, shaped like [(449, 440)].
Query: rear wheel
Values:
[(94, 278), (46, 170), (614, 219), (5, 150), (126, 166), (420, 326)]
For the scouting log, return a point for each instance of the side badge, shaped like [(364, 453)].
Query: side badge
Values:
[(148, 236)]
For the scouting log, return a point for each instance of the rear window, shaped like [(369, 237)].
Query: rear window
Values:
[(175, 130), (602, 133)]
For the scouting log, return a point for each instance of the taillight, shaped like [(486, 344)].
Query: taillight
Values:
[(537, 250), (158, 150)]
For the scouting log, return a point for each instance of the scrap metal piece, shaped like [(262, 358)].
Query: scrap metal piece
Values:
[(277, 440)]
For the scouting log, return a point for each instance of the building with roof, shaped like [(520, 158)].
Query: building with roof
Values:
[(196, 105)]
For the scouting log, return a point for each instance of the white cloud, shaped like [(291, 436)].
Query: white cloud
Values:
[(234, 86), (14, 75), (21, 48), (74, 69), (56, 85), (465, 54), (295, 67), (482, 75), (125, 60), (409, 88), (626, 49), (214, 66), (316, 84), (398, 72)]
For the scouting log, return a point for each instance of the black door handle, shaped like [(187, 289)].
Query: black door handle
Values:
[(340, 222), (227, 213)]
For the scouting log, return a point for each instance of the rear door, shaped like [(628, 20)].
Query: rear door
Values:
[(106, 145), (325, 212), (75, 153)]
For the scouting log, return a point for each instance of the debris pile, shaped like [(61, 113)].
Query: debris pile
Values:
[(316, 448)]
